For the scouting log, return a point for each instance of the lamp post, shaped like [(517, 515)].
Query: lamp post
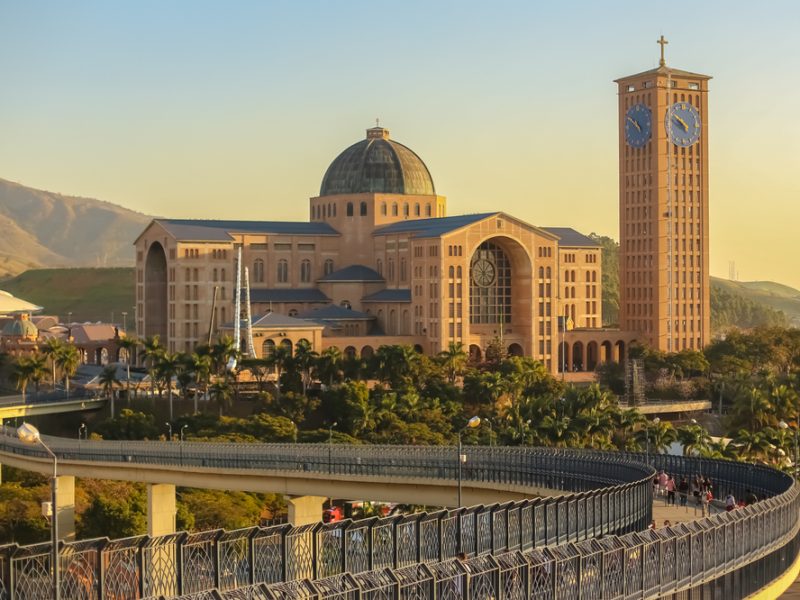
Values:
[(330, 446), (82, 433), (655, 421), (491, 432), (169, 428), (462, 458), (28, 434), (125, 322), (183, 431)]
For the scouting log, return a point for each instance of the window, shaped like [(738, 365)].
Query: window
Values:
[(428, 210), (394, 209), (283, 247), (258, 246), (416, 210), (349, 209), (379, 265), (305, 271), (305, 247), (267, 349), (328, 266), (258, 271), (490, 285), (383, 208), (631, 88), (403, 269), (363, 210), (693, 85), (391, 269), (283, 271), (405, 209)]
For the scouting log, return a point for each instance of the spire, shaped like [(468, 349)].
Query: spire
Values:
[(662, 41)]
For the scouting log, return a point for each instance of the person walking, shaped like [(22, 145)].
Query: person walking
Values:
[(670, 490), (730, 502), (683, 490)]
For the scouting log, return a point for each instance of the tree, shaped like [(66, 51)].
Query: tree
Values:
[(108, 381), (201, 367), (38, 369), (129, 344), (167, 366), (21, 374), (454, 359), (659, 435), (305, 359), (152, 351), (68, 360), (329, 365), (117, 510), (52, 348), (222, 392), (694, 439)]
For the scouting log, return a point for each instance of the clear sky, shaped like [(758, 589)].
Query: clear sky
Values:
[(234, 109)]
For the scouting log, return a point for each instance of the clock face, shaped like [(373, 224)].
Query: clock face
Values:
[(638, 125), (682, 122), (483, 272)]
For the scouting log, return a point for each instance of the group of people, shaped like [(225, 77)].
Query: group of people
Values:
[(698, 487)]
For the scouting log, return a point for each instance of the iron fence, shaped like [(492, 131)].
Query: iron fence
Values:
[(588, 542)]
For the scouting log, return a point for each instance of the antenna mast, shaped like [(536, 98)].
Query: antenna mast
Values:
[(251, 349)]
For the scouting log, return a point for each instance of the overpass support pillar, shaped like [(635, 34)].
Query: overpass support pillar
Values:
[(160, 509), (65, 507), (304, 510)]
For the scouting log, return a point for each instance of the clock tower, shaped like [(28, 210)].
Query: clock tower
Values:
[(663, 207)]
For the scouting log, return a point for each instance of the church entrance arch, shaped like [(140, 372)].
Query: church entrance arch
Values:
[(591, 356), (155, 293), (515, 350), (578, 363), (606, 352)]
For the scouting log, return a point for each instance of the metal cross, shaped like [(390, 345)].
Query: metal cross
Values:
[(662, 42), (377, 122)]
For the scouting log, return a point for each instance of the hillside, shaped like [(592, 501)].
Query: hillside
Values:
[(89, 294), (48, 229), (742, 304)]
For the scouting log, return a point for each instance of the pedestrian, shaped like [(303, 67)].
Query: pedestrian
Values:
[(670, 490), (683, 490), (730, 502), (662, 482)]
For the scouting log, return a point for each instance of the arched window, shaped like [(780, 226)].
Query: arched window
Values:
[(541, 272), (428, 210), (394, 209), (267, 349), (334, 209), (379, 265), (452, 271), (258, 271), (490, 286), (328, 266), (588, 276), (293, 312), (383, 208), (363, 210), (403, 269), (215, 275), (349, 209), (222, 277), (287, 344), (548, 272), (594, 276), (390, 269), (416, 209), (458, 273), (283, 271), (405, 209), (305, 271), (330, 212)]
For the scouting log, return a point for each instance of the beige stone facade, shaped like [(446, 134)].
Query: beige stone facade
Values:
[(663, 186)]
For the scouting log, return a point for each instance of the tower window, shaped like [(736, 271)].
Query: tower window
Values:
[(363, 209), (305, 271), (349, 209), (328, 266), (283, 271)]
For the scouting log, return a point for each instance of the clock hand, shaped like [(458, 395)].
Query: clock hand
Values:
[(681, 121), (634, 123)]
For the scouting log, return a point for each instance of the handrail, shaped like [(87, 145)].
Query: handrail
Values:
[(592, 534)]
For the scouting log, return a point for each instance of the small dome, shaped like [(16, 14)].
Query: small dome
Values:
[(20, 328), (377, 165)]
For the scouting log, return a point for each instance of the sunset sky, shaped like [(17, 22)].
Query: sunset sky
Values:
[(235, 109)]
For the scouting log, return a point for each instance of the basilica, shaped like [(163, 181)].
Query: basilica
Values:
[(380, 262)]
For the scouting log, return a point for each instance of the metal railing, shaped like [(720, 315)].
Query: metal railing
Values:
[(588, 542)]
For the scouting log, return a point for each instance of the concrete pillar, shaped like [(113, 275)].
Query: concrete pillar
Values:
[(65, 510), (160, 509), (304, 510)]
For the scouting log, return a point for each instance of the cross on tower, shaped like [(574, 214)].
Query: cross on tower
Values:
[(662, 41), (377, 122)]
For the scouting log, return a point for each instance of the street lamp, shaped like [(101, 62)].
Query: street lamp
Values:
[(183, 429), (462, 458), (28, 434), (82, 433), (125, 322), (655, 421), (491, 432), (169, 427), (330, 446)]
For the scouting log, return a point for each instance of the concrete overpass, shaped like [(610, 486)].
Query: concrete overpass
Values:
[(30, 405)]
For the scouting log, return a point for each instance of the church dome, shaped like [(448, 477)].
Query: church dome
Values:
[(377, 165), (20, 328)]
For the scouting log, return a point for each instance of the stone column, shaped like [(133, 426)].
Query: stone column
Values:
[(304, 510), (65, 510), (160, 509)]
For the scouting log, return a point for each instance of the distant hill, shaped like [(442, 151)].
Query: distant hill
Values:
[(89, 294), (46, 229)]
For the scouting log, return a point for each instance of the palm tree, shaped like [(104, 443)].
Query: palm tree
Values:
[(222, 352), (108, 380), (305, 359), (129, 344), (222, 392), (329, 365), (752, 410), (694, 439), (152, 350), (52, 348), (660, 434), (68, 360), (21, 374), (280, 359), (38, 368), (166, 368), (201, 367), (454, 359)]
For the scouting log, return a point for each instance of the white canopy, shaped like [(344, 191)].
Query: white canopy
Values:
[(11, 305)]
